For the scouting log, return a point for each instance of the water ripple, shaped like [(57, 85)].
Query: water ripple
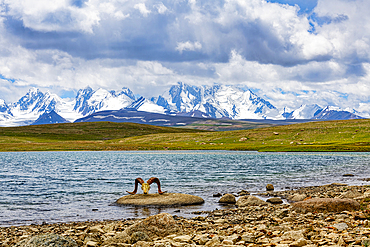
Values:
[(38, 187)]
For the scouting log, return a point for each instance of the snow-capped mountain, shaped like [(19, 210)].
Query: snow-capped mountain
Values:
[(28, 108), (89, 101), (5, 112), (316, 112), (304, 112), (216, 101), (142, 104), (35, 102), (334, 113)]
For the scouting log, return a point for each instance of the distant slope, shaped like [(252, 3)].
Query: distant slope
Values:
[(50, 118), (319, 136), (134, 116), (82, 131), (347, 135)]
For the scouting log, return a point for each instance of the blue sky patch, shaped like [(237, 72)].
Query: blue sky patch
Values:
[(306, 6), (7, 79)]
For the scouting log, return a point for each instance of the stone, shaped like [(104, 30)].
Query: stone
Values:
[(159, 225), (139, 236), (367, 194), (292, 235), (227, 242), (269, 187), (338, 184), (299, 243), (325, 205), (46, 240), (249, 238), (234, 238), (202, 239), (348, 175), (182, 238), (245, 201), (275, 200), (298, 197), (96, 229), (215, 241), (228, 199), (351, 194), (243, 193), (91, 243), (341, 242), (166, 199), (141, 244)]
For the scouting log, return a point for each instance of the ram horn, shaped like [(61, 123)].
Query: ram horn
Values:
[(137, 181), (155, 180)]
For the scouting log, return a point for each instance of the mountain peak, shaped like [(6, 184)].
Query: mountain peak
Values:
[(49, 118), (216, 101)]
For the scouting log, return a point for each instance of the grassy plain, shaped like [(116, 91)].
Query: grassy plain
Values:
[(348, 135)]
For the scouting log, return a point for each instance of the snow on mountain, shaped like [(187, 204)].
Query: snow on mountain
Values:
[(89, 101), (4, 108), (216, 101), (5, 113), (304, 112), (142, 104), (28, 108), (334, 113), (317, 112), (33, 104)]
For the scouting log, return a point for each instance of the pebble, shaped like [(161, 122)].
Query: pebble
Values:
[(269, 187), (262, 225), (275, 200), (227, 199)]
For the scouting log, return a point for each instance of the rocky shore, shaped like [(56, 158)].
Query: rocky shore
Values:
[(340, 218)]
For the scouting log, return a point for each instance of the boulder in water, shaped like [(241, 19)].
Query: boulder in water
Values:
[(227, 199), (269, 187), (166, 199)]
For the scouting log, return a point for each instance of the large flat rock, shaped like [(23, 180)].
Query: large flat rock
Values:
[(166, 199), (326, 205)]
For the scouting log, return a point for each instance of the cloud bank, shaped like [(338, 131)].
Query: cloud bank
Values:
[(289, 52)]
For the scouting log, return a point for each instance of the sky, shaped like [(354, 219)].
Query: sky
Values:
[(288, 52)]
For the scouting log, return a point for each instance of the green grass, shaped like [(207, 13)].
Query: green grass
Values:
[(348, 135)]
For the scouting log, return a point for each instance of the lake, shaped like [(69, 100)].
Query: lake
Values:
[(37, 187)]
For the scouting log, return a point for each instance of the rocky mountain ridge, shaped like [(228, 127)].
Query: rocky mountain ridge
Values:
[(217, 101)]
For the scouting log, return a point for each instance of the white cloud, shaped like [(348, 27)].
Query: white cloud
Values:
[(346, 26), (142, 8), (60, 16), (161, 8), (188, 46), (287, 57)]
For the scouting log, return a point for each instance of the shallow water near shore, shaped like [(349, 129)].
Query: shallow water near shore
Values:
[(37, 187)]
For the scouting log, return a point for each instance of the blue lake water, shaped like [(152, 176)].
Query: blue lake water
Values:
[(37, 187)]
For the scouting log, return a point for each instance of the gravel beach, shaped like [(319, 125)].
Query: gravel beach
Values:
[(341, 218)]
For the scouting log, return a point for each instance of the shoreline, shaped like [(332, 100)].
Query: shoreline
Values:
[(265, 225)]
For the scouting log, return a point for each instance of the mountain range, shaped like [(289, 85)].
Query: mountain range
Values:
[(217, 101)]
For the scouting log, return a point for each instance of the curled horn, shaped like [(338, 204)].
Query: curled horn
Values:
[(137, 181), (155, 180)]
